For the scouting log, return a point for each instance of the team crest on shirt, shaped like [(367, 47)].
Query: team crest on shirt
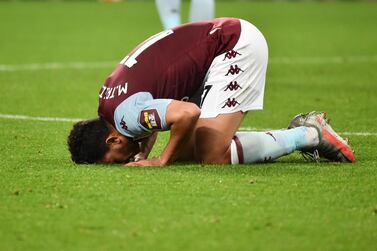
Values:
[(150, 119), (123, 124)]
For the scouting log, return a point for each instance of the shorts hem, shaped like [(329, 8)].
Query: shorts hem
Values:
[(214, 115)]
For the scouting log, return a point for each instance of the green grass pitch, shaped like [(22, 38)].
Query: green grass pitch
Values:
[(323, 56)]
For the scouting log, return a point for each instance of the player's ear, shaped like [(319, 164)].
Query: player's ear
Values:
[(113, 139)]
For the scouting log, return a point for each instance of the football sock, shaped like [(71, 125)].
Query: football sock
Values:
[(170, 12), (252, 147), (202, 10)]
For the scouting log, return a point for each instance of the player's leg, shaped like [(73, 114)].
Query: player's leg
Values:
[(234, 85), (214, 136), (254, 147), (202, 10), (170, 12), (218, 142)]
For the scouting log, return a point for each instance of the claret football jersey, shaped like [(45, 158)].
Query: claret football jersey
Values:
[(169, 65)]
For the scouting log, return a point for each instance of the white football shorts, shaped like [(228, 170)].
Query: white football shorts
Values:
[(235, 80)]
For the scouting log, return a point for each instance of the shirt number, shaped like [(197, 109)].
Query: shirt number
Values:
[(204, 94), (130, 60)]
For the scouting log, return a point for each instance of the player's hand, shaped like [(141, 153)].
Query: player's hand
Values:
[(139, 156), (147, 162)]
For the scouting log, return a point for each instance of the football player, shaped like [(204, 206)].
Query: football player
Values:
[(197, 80)]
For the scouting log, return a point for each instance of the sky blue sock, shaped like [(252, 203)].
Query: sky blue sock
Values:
[(170, 12), (252, 147), (201, 10)]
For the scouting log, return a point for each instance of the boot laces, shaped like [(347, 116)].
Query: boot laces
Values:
[(311, 156)]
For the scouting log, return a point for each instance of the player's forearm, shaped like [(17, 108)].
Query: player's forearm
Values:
[(182, 118), (146, 144)]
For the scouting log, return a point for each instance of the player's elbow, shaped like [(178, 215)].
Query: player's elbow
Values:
[(192, 112), (183, 113), (189, 114)]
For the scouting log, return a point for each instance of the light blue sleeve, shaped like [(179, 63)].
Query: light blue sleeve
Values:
[(139, 115)]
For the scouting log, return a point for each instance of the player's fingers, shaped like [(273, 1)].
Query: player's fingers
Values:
[(134, 164), (138, 158)]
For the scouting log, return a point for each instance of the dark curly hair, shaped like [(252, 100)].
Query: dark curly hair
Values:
[(86, 142)]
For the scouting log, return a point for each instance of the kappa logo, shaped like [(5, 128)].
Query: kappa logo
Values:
[(150, 119), (123, 124), (269, 133), (234, 70), (233, 86), (268, 159), (231, 54), (231, 103)]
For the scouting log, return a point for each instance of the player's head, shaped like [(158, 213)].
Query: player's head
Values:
[(96, 141)]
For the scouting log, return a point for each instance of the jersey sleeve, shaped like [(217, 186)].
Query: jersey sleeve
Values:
[(139, 115)]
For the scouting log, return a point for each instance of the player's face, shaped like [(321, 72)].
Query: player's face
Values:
[(121, 152)]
